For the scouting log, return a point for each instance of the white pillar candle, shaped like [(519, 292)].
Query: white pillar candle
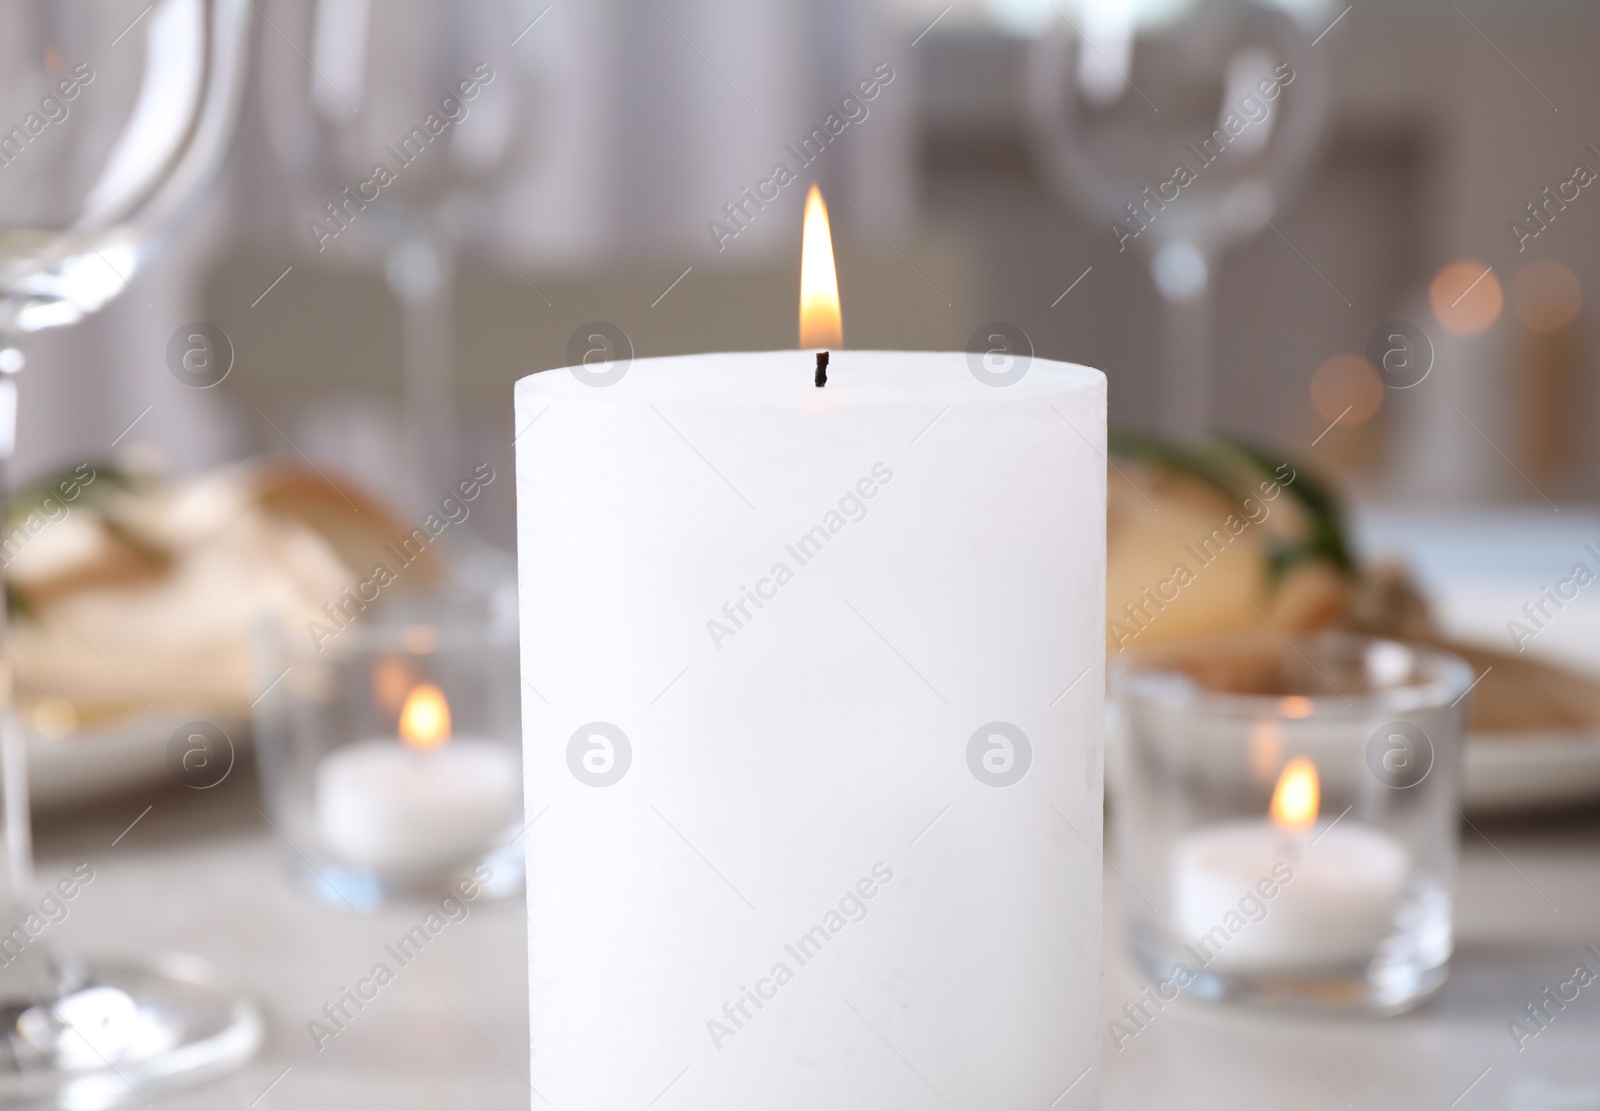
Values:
[(1251, 898), (384, 805), (817, 722)]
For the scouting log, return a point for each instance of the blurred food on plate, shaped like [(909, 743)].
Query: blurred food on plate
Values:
[(1218, 537), (132, 595)]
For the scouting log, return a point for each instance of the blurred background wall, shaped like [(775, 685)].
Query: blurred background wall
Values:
[(1447, 121)]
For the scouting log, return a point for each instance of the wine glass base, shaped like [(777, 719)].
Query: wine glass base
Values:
[(133, 1030)]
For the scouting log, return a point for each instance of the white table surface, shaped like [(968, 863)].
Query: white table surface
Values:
[(200, 873)]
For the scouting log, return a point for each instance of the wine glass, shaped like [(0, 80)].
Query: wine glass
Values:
[(389, 114), (113, 119), (1184, 126)]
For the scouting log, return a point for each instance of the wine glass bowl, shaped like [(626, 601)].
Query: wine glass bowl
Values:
[(112, 120), (1182, 126), (1230, 91), (352, 85), (385, 115)]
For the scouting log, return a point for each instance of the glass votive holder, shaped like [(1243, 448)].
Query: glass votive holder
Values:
[(1287, 817), (390, 759)]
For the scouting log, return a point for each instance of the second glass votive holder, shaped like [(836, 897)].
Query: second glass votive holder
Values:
[(390, 760), (1287, 817)]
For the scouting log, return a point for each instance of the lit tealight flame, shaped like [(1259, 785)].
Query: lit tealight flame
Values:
[(425, 717), (820, 326), (1297, 797)]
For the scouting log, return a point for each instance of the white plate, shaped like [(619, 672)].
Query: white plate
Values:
[(1507, 773), (1502, 773), (115, 758)]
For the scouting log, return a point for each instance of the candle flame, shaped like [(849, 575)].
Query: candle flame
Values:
[(425, 718), (820, 325), (1297, 797)]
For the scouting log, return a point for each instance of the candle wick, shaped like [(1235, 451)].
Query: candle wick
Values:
[(822, 369)]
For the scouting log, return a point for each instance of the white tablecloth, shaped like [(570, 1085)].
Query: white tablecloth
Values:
[(200, 873)]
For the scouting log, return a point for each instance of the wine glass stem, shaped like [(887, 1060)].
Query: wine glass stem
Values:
[(19, 819), (1187, 339), (13, 748), (421, 272), (38, 971)]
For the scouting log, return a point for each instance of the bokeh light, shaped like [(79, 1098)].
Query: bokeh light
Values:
[(1466, 297), (1546, 295), (1346, 384)]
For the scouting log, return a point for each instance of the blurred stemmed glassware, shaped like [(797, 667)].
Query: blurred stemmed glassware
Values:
[(388, 114), (114, 117), (1185, 126)]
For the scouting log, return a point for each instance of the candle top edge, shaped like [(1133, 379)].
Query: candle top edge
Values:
[(784, 379)]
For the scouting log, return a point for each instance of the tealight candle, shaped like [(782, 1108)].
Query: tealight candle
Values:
[(423, 801), (1284, 893)]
